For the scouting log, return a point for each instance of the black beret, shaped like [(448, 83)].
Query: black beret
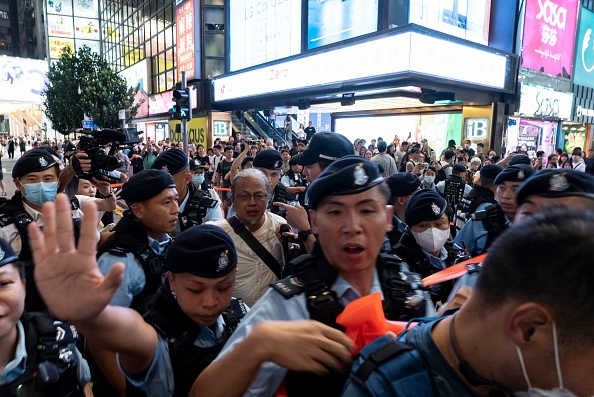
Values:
[(269, 159), (382, 146), (491, 171), (403, 183), (519, 159), (172, 161), (459, 168), (448, 154), (34, 160), (196, 164), (425, 205), (552, 183), (323, 146), (348, 175), (146, 185), (204, 250), (7, 254), (514, 173)]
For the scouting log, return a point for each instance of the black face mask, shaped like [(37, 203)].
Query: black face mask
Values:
[(471, 376)]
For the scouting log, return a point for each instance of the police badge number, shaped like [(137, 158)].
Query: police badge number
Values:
[(359, 175)]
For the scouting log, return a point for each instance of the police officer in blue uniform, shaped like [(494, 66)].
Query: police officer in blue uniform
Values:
[(39, 356), (350, 214), (195, 205), (402, 187), (188, 321), (477, 235)]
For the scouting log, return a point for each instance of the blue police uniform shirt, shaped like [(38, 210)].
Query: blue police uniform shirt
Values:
[(212, 214), (18, 365), (158, 379), (445, 377), (134, 278), (473, 236), (272, 306)]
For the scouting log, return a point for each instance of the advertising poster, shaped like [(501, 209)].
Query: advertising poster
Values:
[(330, 21), (56, 45), (529, 134), (549, 30), (86, 8), (574, 135), (584, 57), (85, 28), (60, 26), (61, 7), (263, 31), (94, 45), (185, 51), (24, 76)]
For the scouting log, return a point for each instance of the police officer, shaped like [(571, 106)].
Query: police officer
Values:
[(36, 177), (189, 320), (33, 345), (351, 215), (195, 205), (402, 187), (270, 162), (481, 195), (477, 235), (425, 245)]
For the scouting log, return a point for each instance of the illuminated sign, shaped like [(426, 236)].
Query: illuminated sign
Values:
[(57, 45), (549, 29), (403, 52), (476, 128), (86, 8), (332, 21), (263, 31), (60, 26), (467, 19), (61, 7), (584, 57), (186, 47), (27, 77), (545, 103)]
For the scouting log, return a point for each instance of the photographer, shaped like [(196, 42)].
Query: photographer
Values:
[(149, 153)]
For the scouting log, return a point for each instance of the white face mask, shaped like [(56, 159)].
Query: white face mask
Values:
[(536, 392), (429, 179), (432, 239)]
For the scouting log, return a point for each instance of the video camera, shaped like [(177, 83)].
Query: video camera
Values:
[(94, 142)]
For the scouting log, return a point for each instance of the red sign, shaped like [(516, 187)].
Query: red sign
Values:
[(186, 58), (160, 103)]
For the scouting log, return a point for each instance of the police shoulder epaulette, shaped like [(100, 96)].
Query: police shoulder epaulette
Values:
[(288, 287), (483, 214)]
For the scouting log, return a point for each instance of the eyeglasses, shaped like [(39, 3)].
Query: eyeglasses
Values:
[(247, 197)]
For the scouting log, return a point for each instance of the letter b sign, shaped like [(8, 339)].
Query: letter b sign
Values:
[(477, 128)]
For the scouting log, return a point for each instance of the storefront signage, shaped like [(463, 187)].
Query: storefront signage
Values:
[(583, 112), (584, 56), (549, 30), (220, 128), (476, 128), (263, 31), (161, 103), (402, 52), (187, 36), (545, 103)]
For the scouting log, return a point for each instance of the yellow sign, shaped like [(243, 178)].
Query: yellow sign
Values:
[(56, 45), (196, 131)]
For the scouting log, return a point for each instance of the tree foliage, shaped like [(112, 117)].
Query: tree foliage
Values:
[(82, 83)]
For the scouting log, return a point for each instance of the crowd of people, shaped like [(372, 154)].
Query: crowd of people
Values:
[(230, 268)]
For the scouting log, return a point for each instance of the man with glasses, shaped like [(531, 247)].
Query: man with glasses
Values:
[(258, 262)]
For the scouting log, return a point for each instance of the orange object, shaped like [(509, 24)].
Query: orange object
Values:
[(452, 272), (115, 184), (364, 320), (222, 189)]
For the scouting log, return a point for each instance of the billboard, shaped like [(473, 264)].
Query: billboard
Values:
[(72, 24), (263, 31), (584, 57), (24, 76), (331, 21), (187, 52), (549, 30)]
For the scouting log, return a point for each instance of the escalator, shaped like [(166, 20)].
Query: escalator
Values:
[(254, 123)]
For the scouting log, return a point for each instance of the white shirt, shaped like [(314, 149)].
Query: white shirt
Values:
[(253, 275)]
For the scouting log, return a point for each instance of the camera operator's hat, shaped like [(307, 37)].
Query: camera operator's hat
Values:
[(514, 173), (403, 183), (348, 175), (425, 205), (196, 164), (269, 159), (211, 244), (172, 161), (324, 146), (553, 183), (7, 254), (34, 160), (146, 185)]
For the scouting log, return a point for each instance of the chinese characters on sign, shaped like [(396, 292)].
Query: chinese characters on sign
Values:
[(186, 58)]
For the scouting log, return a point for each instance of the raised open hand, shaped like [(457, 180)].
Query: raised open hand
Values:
[(68, 277)]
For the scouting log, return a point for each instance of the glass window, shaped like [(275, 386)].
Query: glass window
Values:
[(214, 45)]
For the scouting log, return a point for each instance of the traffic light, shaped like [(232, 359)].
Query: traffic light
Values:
[(182, 110)]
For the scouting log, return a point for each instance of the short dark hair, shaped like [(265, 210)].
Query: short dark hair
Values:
[(217, 146), (228, 148), (481, 145), (546, 264)]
